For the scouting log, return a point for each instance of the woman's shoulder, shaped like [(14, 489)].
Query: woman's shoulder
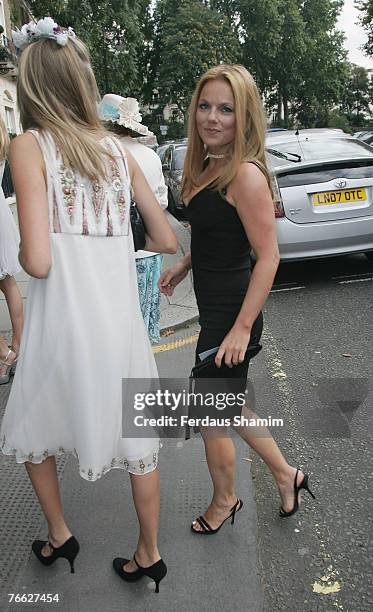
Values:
[(26, 142), (250, 172)]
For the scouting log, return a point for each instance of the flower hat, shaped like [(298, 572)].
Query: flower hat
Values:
[(44, 28), (124, 111)]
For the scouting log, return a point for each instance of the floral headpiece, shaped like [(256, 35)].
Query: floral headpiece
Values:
[(44, 28), (124, 111)]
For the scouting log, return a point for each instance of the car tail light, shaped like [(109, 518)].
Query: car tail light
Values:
[(277, 199)]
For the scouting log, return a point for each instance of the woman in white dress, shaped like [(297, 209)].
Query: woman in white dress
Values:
[(9, 266), (84, 331), (122, 116)]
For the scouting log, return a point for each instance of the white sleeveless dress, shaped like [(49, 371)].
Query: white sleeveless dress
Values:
[(84, 330), (9, 237)]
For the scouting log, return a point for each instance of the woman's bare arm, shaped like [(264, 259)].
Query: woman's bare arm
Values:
[(28, 174), (250, 193)]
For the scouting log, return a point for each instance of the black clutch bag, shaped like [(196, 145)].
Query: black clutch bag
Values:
[(138, 227), (208, 369)]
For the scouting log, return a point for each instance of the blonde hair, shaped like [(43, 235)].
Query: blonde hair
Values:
[(248, 144), (57, 91), (4, 140)]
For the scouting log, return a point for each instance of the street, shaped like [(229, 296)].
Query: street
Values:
[(315, 373)]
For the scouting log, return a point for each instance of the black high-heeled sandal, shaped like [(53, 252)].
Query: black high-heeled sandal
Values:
[(157, 571), (68, 550), (297, 488), (207, 529)]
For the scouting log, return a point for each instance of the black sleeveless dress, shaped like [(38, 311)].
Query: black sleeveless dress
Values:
[(221, 265)]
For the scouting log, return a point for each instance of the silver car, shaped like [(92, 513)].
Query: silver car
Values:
[(323, 186)]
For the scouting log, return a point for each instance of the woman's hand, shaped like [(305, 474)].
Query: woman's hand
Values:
[(172, 277), (234, 346)]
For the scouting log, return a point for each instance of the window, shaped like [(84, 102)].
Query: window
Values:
[(10, 120), (2, 23)]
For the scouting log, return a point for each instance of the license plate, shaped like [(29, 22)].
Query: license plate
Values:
[(342, 196)]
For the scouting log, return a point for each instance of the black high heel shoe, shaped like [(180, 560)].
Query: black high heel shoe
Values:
[(207, 529), (297, 488), (68, 550), (157, 571)]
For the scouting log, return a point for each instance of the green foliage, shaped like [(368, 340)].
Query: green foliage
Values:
[(7, 57), (189, 38), (296, 56), (366, 19), (113, 31), (261, 25), (336, 120), (292, 47), (357, 96), (324, 68)]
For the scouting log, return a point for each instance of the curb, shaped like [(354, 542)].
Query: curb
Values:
[(180, 324)]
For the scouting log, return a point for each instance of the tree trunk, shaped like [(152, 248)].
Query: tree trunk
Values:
[(279, 105), (285, 102)]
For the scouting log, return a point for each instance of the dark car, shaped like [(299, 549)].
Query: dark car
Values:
[(173, 164)]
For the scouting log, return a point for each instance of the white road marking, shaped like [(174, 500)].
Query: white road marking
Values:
[(352, 275), (288, 289), (355, 280), (283, 385)]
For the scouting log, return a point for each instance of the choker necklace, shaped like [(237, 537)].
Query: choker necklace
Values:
[(216, 155)]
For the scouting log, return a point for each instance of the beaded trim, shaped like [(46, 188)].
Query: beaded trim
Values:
[(139, 466)]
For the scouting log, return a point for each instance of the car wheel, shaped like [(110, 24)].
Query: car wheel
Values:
[(369, 255)]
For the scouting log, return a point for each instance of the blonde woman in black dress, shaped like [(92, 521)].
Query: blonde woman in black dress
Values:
[(227, 194)]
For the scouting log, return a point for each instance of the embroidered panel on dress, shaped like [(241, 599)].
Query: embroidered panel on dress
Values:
[(85, 207), (56, 218), (119, 188), (68, 183), (85, 222)]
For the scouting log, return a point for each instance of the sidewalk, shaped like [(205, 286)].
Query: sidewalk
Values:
[(181, 307), (211, 574)]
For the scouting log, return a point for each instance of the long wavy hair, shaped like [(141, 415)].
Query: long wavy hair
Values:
[(248, 143), (57, 92), (4, 140)]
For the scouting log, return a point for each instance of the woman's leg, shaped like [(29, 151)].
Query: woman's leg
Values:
[(221, 450), (146, 497), (4, 350), (13, 298), (45, 482), (221, 461), (260, 439)]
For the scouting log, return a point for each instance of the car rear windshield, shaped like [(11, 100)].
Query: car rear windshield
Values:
[(326, 172), (319, 149), (178, 158)]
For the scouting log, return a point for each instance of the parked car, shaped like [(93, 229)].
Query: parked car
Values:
[(323, 186), (161, 150), (173, 164), (367, 137), (362, 133)]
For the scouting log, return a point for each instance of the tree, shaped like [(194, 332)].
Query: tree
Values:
[(356, 99), (324, 68), (366, 19), (113, 32), (190, 37), (260, 29)]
